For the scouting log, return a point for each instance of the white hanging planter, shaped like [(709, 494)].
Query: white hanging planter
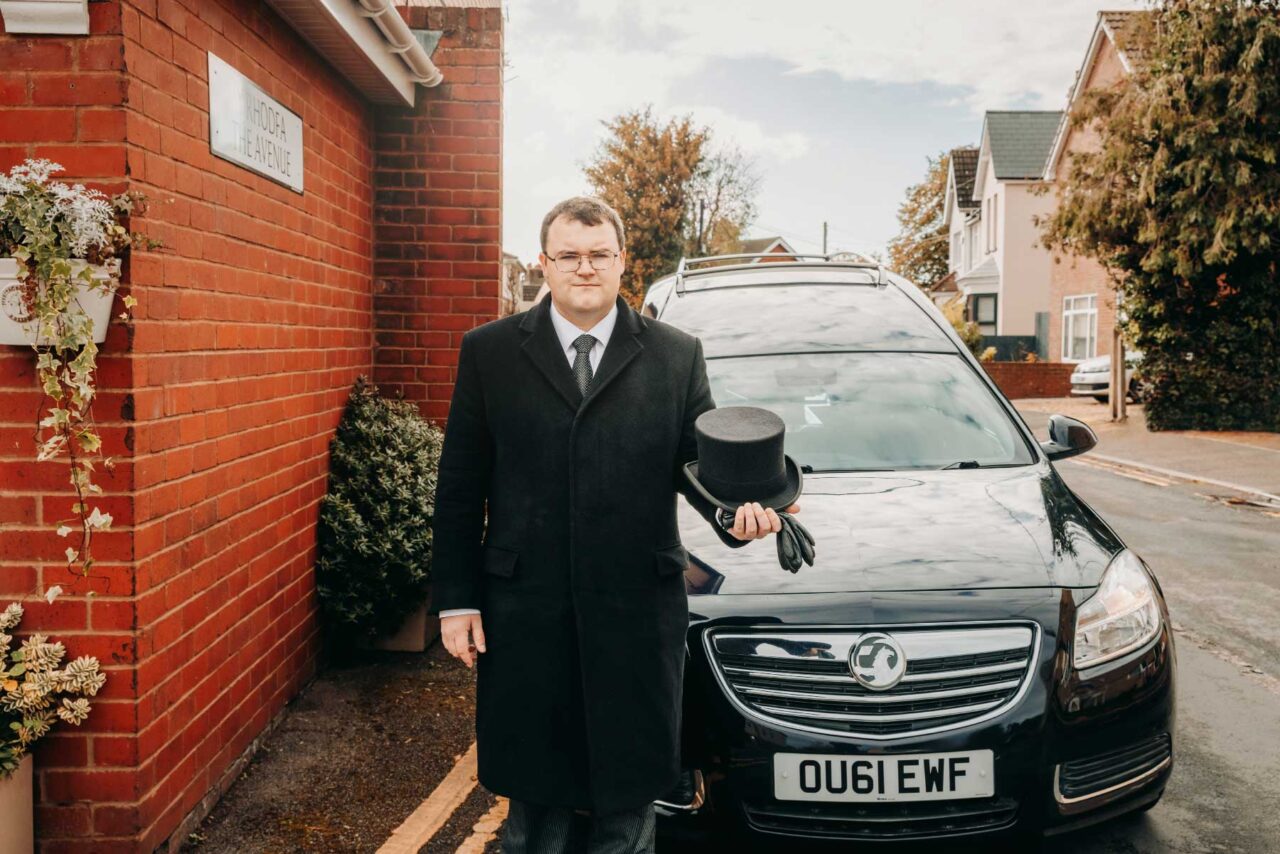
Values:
[(17, 811), (18, 327)]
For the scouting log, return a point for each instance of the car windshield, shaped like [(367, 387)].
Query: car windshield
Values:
[(875, 411)]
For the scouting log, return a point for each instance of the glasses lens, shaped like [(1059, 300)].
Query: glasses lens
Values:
[(602, 260), (567, 263)]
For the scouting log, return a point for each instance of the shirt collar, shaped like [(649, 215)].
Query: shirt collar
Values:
[(567, 332)]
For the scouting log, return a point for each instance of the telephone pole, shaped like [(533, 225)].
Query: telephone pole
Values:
[(824, 237)]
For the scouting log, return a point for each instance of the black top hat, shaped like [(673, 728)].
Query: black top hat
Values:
[(740, 459)]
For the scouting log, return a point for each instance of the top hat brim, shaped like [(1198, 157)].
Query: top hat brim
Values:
[(780, 501)]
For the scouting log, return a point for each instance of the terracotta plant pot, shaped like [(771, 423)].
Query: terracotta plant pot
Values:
[(16, 327), (418, 631), (17, 816)]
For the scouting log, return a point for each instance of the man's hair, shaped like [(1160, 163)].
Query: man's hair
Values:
[(587, 210)]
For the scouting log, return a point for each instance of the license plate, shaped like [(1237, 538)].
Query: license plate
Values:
[(894, 777)]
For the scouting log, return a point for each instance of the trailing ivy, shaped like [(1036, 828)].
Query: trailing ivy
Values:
[(374, 535), (1181, 202)]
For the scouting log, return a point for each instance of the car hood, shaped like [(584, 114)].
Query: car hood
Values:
[(928, 530), (1098, 364)]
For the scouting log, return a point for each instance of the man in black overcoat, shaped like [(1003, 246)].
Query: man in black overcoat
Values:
[(569, 424)]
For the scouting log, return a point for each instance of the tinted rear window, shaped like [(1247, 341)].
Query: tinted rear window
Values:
[(739, 321)]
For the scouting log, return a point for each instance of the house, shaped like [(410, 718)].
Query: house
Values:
[(1082, 297), (994, 194), (514, 280), (767, 246), (944, 290)]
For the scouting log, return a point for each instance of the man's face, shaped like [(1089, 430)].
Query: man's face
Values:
[(584, 294)]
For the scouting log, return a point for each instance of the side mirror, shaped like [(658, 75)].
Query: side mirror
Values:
[(1067, 438)]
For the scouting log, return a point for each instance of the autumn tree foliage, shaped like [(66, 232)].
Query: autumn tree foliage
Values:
[(1181, 203), (919, 252), (654, 174)]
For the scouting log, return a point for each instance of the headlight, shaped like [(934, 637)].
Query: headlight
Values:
[(1121, 616)]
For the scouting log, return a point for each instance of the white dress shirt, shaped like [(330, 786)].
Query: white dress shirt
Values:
[(568, 333)]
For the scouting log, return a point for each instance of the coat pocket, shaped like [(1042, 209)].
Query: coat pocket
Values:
[(670, 560), (500, 561)]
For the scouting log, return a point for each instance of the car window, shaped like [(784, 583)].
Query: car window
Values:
[(874, 411), (746, 320)]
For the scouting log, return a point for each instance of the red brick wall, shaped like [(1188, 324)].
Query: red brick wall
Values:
[(62, 99), (438, 211), (220, 397), (1031, 379), (251, 327)]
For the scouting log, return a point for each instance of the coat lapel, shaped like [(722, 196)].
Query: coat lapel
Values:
[(543, 347), (624, 345)]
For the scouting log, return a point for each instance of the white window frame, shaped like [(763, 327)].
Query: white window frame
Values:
[(1079, 308), (975, 300), (995, 223)]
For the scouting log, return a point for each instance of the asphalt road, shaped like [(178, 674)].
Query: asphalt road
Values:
[(1219, 566)]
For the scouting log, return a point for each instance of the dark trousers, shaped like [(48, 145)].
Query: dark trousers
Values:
[(535, 829)]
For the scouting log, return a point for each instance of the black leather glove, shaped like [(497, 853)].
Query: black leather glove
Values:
[(795, 543)]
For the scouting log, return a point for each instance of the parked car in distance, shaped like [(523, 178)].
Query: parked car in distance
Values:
[(1092, 377), (974, 655)]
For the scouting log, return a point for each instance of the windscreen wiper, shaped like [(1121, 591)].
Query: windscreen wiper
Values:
[(964, 464)]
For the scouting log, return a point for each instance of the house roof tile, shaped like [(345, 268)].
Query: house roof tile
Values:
[(1020, 141)]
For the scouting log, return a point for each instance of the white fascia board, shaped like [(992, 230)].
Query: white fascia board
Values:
[(45, 17), (352, 43), (364, 33), (984, 155), (949, 199)]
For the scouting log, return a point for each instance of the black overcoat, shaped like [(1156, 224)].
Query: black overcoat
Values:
[(579, 573)]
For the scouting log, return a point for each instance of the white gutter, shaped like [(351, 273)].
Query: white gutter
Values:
[(403, 42)]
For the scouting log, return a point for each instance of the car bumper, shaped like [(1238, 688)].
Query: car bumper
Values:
[(1067, 725), (1088, 385)]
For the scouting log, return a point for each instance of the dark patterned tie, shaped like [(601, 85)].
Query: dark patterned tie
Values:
[(582, 364)]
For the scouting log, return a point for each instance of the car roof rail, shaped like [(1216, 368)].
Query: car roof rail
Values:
[(752, 260)]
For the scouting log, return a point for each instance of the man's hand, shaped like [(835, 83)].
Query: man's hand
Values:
[(753, 522), (463, 637)]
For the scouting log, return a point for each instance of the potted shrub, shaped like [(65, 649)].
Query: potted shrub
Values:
[(60, 252), (374, 537), (34, 695)]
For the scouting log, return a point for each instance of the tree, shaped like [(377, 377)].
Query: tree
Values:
[(919, 252), (1181, 203), (654, 175), (721, 202)]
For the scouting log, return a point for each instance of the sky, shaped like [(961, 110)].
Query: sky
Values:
[(839, 102)]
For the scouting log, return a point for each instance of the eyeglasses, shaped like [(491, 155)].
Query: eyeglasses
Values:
[(568, 262)]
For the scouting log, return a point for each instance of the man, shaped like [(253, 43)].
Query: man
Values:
[(571, 422)]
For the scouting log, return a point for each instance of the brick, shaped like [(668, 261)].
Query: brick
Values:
[(37, 125), (89, 785), (86, 161), (35, 54), (100, 54), (96, 88), (102, 125), (56, 821)]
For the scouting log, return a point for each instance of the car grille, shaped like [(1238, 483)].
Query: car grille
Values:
[(1095, 775), (801, 677), (883, 821)]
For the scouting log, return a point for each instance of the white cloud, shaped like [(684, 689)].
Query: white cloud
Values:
[(1003, 51), (747, 134)]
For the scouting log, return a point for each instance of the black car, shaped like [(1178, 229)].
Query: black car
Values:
[(974, 654)]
